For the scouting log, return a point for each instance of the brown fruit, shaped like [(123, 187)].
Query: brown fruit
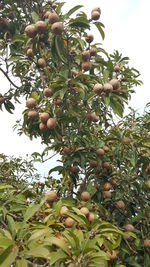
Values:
[(112, 255), (106, 165), (31, 103), (44, 116), (93, 51), (57, 28), (69, 222), (95, 15), (108, 88), (41, 63), (89, 39), (93, 163), (47, 92), (111, 142), (96, 9), (91, 116), (85, 55), (86, 65), (129, 228), (52, 196), (74, 169), (85, 211), (148, 169), (66, 150), (51, 123), (31, 31), (53, 18), (98, 88), (126, 140), (63, 210), (113, 182), (117, 68), (30, 52), (58, 102), (120, 204), (106, 149), (147, 243), (32, 114), (100, 152), (41, 26), (42, 126), (91, 217), (46, 15), (11, 15), (85, 196), (82, 204), (107, 194), (115, 84), (107, 186), (2, 100)]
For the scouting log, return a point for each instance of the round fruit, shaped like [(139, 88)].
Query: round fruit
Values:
[(85, 55), (96, 9), (31, 31), (112, 255), (106, 165), (30, 52), (89, 38), (57, 28), (113, 182), (11, 15), (93, 163), (44, 116), (92, 117), (95, 15), (2, 100), (85, 196), (100, 152), (46, 15), (47, 92), (98, 88), (91, 217), (52, 196), (148, 169), (85, 211), (74, 169), (32, 114), (126, 140), (86, 65), (107, 194), (69, 222), (58, 102), (107, 186), (53, 17), (129, 228), (41, 62), (51, 123), (115, 84), (106, 149), (31, 103), (147, 243), (117, 68), (41, 26), (108, 88), (120, 204), (42, 126), (63, 210), (66, 150), (93, 51)]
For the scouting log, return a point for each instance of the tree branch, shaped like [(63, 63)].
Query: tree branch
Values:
[(6, 75)]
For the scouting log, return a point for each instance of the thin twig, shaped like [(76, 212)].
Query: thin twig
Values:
[(6, 75)]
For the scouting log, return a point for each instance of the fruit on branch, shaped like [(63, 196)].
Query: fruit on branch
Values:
[(100, 152), (52, 196), (107, 88), (58, 102), (112, 255), (32, 114), (86, 65), (106, 165), (74, 169), (96, 9), (31, 30), (85, 196), (40, 26), (66, 150), (107, 194), (57, 28), (107, 186), (44, 116), (95, 15), (85, 55), (115, 84), (47, 92), (53, 17), (31, 103), (93, 163), (98, 88), (42, 126), (126, 140), (129, 228), (46, 15), (85, 211), (41, 63), (29, 52), (69, 222), (91, 116), (93, 51), (63, 210), (147, 243), (51, 123), (120, 204), (117, 68), (90, 37), (148, 169), (91, 217), (106, 149)]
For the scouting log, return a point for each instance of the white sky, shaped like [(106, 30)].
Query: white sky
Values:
[(126, 29)]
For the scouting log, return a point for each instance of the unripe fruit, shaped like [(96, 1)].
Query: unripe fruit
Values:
[(91, 217), (98, 88), (106, 165), (31, 31), (31, 103), (41, 63), (107, 88), (63, 210), (89, 39), (100, 152), (85, 196), (93, 163), (30, 52), (86, 65), (107, 186), (107, 194), (53, 18), (85, 55), (57, 28), (112, 255), (129, 228), (47, 92), (117, 68), (147, 243), (85, 211), (120, 204), (66, 150), (44, 116), (92, 117), (41, 26), (115, 84), (52, 196), (93, 51), (51, 123), (74, 169), (95, 15), (126, 140), (69, 222), (42, 126), (32, 114)]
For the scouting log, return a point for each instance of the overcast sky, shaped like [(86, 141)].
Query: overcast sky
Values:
[(126, 28)]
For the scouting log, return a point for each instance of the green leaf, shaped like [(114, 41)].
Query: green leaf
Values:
[(11, 225), (60, 243), (39, 252), (100, 26), (3, 187), (38, 234), (8, 256), (72, 10), (34, 16), (31, 210), (118, 108), (21, 263), (60, 49), (5, 242), (57, 256)]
